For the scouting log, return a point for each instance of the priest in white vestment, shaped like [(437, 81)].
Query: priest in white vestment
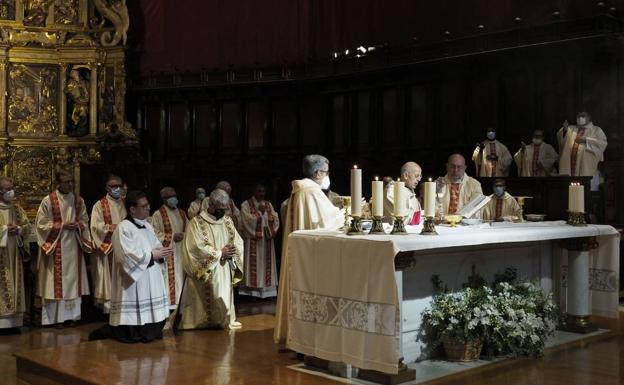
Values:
[(259, 226), (196, 206), (63, 236), (502, 206), (537, 158), (213, 261), (232, 211), (169, 223), (491, 157), (308, 208), (581, 147), (411, 174), (14, 233), (139, 295), (105, 215), (456, 189)]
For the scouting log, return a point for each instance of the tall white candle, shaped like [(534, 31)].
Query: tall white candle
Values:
[(430, 196), (356, 191), (399, 198), (377, 198), (576, 198)]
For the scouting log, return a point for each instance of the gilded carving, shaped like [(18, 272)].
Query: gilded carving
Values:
[(32, 99), (7, 9), (116, 12), (44, 39), (36, 12), (78, 94), (32, 171), (66, 12)]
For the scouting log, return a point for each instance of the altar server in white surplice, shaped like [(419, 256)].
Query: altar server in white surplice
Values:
[(169, 223), (308, 208), (213, 261), (259, 225), (537, 158), (14, 233), (502, 206), (105, 215), (63, 237), (456, 189), (491, 157), (581, 147), (139, 302)]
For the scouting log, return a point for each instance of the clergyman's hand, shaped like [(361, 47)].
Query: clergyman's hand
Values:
[(580, 140), (72, 226), (161, 253), (440, 184)]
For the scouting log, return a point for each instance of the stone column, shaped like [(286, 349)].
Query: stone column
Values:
[(93, 101), (62, 99)]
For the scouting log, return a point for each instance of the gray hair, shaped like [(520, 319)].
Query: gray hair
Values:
[(223, 185), (313, 163), (219, 196), (165, 190)]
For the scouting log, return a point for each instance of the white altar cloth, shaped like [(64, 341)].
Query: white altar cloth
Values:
[(345, 301)]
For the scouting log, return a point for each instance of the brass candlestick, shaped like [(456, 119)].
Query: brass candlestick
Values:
[(576, 219), (398, 227), (355, 228), (377, 227), (428, 227)]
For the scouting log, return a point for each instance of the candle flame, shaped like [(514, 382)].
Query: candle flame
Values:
[(430, 180), (355, 166), (376, 178)]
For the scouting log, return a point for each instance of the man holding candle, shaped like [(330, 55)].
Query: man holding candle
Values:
[(400, 199), (491, 157), (581, 147), (456, 189), (308, 208), (502, 206)]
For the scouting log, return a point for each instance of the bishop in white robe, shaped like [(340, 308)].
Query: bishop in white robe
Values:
[(537, 158), (456, 189), (213, 261), (259, 227), (105, 215), (63, 237), (14, 233), (491, 157), (308, 208), (169, 223), (581, 147), (232, 210)]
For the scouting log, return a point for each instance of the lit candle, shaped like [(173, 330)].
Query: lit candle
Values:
[(430, 196), (377, 198), (576, 198), (399, 198), (356, 191)]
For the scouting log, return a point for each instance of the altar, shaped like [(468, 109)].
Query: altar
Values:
[(358, 299)]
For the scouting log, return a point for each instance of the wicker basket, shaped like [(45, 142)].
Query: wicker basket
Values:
[(462, 351)]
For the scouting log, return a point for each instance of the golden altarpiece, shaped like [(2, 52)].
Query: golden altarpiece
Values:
[(63, 83)]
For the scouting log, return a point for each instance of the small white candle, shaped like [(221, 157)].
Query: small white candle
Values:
[(576, 198), (377, 198), (430, 196), (399, 198), (356, 191)]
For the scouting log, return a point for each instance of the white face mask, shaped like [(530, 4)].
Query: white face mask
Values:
[(581, 121), (537, 141), (491, 135), (325, 183), (9, 196)]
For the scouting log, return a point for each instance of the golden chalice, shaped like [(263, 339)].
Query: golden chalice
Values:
[(453, 219)]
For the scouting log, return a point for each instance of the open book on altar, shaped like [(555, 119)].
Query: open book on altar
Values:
[(474, 206)]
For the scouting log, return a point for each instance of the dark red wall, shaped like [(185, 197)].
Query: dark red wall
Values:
[(195, 34)]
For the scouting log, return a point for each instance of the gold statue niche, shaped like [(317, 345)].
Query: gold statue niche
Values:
[(62, 88)]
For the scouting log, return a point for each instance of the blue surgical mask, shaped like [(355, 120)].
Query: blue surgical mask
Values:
[(201, 196), (491, 135), (116, 192), (499, 191), (172, 202)]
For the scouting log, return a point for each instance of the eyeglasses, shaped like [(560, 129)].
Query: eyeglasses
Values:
[(325, 171)]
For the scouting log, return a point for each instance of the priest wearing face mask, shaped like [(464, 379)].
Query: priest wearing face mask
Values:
[(308, 208), (232, 211), (105, 216), (212, 254), (411, 174), (537, 158), (581, 147), (491, 157), (455, 189), (502, 206), (169, 223), (14, 233), (195, 207)]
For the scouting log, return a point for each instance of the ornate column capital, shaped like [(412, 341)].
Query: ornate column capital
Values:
[(579, 244)]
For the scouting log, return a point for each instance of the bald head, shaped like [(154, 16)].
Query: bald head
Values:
[(456, 167), (411, 173)]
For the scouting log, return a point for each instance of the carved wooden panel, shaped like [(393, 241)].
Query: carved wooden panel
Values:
[(420, 134), (231, 127), (313, 124), (339, 121), (154, 124), (257, 123), (205, 126), (364, 119), (178, 130), (284, 123)]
